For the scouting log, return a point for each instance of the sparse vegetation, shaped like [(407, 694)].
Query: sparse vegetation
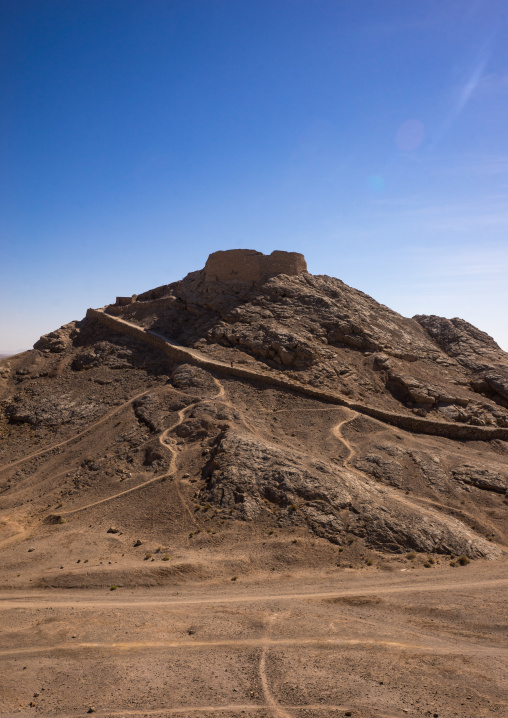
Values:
[(463, 560), (113, 587), (148, 556)]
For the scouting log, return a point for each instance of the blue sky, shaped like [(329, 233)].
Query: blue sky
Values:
[(138, 136)]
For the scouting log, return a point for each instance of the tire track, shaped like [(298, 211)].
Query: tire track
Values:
[(431, 646), (8, 603), (277, 710)]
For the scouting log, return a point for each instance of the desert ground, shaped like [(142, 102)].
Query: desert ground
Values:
[(368, 643)]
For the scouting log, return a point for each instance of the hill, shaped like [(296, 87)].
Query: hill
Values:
[(255, 424), (232, 406)]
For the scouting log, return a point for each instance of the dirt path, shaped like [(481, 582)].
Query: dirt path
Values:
[(277, 710), (235, 708), (181, 414), (351, 453), (78, 435), (432, 645), (8, 602)]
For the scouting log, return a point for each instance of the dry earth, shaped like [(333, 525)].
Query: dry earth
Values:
[(183, 536), (328, 643)]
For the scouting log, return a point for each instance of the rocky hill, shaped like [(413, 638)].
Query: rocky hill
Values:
[(250, 417)]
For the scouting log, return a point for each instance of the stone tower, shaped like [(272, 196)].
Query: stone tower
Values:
[(248, 265)]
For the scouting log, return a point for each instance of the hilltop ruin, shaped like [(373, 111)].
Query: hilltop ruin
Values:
[(248, 265)]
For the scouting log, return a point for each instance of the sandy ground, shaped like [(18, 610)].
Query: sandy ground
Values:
[(369, 644), (215, 616)]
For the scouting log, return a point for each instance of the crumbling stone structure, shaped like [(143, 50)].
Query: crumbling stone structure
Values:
[(123, 301), (248, 265)]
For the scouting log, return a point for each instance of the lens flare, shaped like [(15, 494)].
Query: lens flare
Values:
[(376, 183), (410, 135)]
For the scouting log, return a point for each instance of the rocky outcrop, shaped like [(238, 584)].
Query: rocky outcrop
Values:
[(458, 338), (473, 349), (482, 478), (54, 411), (254, 478), (59, 340)]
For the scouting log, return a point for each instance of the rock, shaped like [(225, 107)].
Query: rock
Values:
[(51, 410), (113, 530), (249, 475), (498, 382), (472, 348), (59, 340), (482, 478)]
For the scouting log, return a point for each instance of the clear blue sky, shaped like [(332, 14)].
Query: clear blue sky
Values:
[(138, 136)]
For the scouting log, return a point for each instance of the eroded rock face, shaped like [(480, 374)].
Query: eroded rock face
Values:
[(58, 340), (248, 265), (251, 476), (473, 349), (458, 338), (41, 411)]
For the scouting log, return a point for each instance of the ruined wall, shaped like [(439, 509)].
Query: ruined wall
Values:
[(248, 265), (403, 421), (123, 301)]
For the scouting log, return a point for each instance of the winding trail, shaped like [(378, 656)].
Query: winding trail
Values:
[(89, 428), (181, 414), (351, 453), (407, 422)]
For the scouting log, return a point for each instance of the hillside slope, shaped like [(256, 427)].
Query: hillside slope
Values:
[(257, 445)]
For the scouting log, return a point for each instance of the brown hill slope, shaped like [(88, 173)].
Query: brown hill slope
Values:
[(251, 439)]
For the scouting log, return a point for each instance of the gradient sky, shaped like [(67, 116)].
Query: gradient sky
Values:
[(138, 136)]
